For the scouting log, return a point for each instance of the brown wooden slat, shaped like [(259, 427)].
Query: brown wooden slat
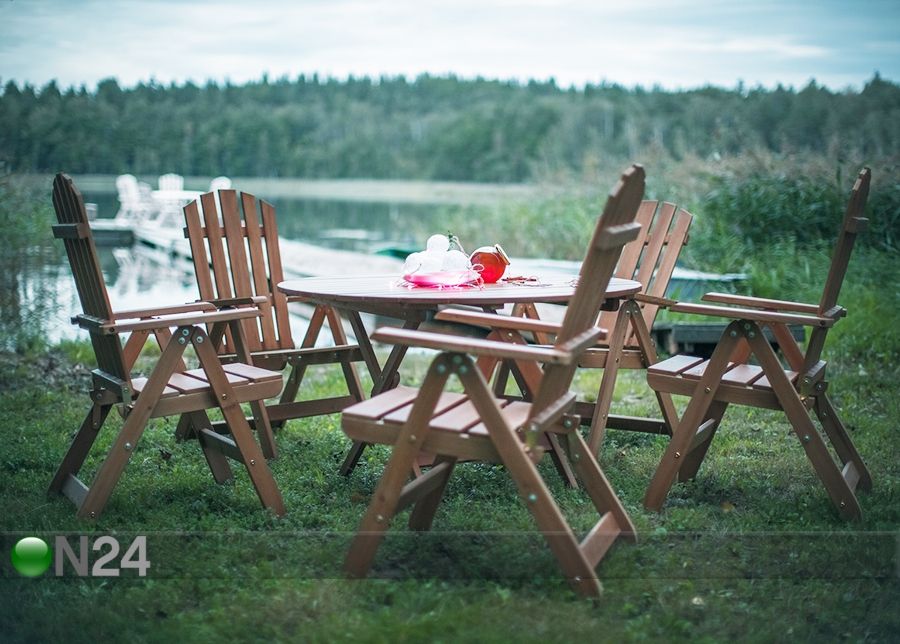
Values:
[(233, 379), (460, 418), (763, 383), (89, 282), (743, 374), (437, 442), (276, 273), (631, 253), (186, 384), (138, 384), (674, 365), (198, 251), (261, 283), (840, 258), (669, 255), (600, 538), (234, 242), (515, 414), (251, 373), (383, 404), (206, 400), (738, 395), (655, 243), (233, 238), (448, 400), (216, 250), (695, 373)]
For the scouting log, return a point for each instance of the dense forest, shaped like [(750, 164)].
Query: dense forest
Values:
[(442, 128)]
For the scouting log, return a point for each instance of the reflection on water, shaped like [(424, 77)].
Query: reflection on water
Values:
[(38, 296), (360, 226)]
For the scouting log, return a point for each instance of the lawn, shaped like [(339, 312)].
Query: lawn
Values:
[(752, 549)]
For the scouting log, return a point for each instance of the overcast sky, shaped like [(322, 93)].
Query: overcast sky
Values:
[(675, 44)]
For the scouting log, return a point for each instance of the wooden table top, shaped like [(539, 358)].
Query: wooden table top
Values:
[(351, 291)]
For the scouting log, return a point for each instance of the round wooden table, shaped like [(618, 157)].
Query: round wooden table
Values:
[(387, 295)]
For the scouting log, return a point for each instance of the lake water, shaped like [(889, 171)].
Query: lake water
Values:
[(37, 292)]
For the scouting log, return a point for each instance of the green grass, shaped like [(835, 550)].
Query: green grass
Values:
[(752, 549)]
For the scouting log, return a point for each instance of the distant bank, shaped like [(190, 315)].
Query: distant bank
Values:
[(370, 190)]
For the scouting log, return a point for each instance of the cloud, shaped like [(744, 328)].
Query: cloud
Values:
[(673, 44)]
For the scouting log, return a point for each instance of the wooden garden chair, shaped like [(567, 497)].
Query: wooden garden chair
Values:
[(234, 245), (800, 390), (650, 260), (478, 425), (170, 388)]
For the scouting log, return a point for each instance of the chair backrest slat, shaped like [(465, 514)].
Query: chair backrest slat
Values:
[(240, 258), (631, 254), (85, 264), (237, 261), (198, 249), (840, 259), (276, 274), (216, 250), (260, 277), (596, 270), (651, 258), (854, 220)]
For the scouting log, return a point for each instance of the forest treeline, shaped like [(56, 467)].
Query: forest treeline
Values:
[(430, 127)]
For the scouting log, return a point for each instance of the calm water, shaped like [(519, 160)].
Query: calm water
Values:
[(37, 293)]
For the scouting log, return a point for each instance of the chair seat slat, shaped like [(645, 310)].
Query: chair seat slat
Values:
[(674, 365), (447, 401)]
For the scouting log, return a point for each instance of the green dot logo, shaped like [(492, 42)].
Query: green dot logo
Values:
[(31, 556)]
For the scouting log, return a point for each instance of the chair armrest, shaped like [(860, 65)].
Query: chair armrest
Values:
[(750, 314), (664, 302), (761, 303), (445, 342), (495, 321), (132, 314), (228, 302), (165, 321)]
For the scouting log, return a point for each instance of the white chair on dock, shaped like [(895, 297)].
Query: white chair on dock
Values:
[(135, 199), (220, 183), (171, 182)]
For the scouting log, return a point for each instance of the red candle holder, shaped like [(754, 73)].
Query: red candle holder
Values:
[(490, 262)]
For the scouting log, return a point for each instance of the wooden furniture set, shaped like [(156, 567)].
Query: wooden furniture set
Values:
[(241, 337)]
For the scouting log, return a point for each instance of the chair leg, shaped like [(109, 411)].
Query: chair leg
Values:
[(597, 485), (132, 430), (260, 415), (185, 428), (292, 385), (561, 462), (422, 515), (351, 375), (608, 380), (551, 523), (218, 463), (843, 445), (405, 450), (694, 458), (798, 415), (683, 435), (80, 446), (252, 455), (264, 430), (647, 346)]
